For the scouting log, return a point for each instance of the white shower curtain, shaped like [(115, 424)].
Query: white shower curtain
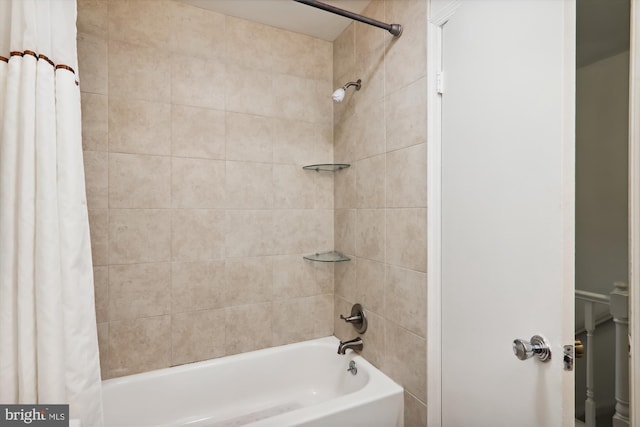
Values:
[(48, 339)]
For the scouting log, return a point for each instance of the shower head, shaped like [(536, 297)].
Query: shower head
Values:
[(338, 95)]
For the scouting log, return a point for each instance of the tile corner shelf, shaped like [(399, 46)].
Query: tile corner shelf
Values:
[(330, 167), (332, 256)]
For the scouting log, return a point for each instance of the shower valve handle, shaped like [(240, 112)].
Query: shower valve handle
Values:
[(358, 318), (352, 319)]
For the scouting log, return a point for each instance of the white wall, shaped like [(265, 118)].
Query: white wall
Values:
[(601, 204), (601, 169)]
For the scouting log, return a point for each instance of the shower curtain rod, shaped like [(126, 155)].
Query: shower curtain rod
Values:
[(395, 29)]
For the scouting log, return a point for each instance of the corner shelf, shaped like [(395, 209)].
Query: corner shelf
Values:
[(332, 256), (330, 167)]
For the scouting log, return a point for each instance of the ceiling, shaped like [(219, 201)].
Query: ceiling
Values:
[(602, 25), (288, 14)]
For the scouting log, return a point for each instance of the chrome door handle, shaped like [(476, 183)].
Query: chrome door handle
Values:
[(536, 346)]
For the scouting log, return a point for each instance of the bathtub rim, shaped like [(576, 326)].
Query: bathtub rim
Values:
[(186, 367), (379, 386)]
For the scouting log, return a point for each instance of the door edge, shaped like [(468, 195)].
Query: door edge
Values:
[(634, 208)]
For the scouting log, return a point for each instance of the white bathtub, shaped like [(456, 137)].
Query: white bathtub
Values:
[(303, 384)]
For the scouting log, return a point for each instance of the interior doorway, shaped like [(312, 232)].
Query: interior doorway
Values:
[(602, 232), (440, 12), (501, 210)]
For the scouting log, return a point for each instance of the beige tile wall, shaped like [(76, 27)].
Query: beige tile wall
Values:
[(381, 201), (195, 128)]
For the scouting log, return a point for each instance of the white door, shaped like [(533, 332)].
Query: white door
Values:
[(507, 216)]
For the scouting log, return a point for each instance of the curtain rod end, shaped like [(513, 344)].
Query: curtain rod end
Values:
[(396, 30)]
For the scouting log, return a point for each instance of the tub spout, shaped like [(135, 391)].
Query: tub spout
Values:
[(354, 344)]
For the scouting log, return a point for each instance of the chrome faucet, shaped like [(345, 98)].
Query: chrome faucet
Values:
[(354, 344)]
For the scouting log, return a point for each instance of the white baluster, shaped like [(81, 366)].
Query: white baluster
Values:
[(619, 309), (590, 403)]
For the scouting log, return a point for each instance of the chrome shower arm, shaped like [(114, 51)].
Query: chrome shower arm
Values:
[(357, 84)]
